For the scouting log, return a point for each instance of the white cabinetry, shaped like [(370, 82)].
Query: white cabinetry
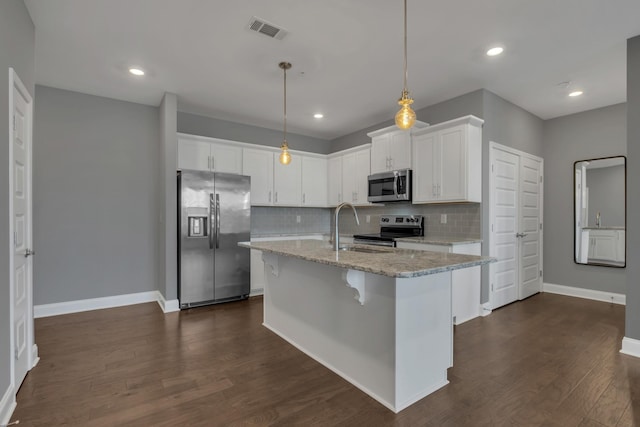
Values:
[(606, 245), (287, 182), (314, 181), (465, 283), (334, 170), (208, 154), (391, 148), (355, 171), (258, 164), (447, 162)]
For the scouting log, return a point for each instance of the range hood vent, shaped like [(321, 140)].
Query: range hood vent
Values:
[(261, 26)]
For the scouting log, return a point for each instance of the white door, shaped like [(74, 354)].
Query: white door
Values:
[(530, 227), (516, 225), (21, 259), (453, 164), (258, 164), (504, 227)]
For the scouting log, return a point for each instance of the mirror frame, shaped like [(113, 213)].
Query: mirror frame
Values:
[(598, 264)]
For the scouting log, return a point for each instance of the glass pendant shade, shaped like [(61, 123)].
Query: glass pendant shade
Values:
[(406, 117), (285, 156)]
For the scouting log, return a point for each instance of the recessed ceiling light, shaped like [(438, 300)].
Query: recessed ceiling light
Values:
[(575, 93), (136, 71), (318, 115), (495, 51)]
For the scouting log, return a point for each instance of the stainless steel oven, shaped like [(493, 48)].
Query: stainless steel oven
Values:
[(393, 186), (391, 228)]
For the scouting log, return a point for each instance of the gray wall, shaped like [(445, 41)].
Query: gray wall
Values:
[(95, 184), (588, 135), (17, 50), (606, 196), (470, 103), (215, 128), (633, 189), (168, 204)]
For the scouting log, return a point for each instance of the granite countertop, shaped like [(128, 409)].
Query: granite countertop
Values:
[(392, 262), (444, 241)]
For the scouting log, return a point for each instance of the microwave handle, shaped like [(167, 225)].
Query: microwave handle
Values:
[(395, 185)]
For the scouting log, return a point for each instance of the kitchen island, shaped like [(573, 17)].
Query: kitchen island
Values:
[(378, 317)]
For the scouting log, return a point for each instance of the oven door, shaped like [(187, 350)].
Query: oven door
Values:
[(365, 241)]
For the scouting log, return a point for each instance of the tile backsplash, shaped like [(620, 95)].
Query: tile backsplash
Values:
[(462, 219)]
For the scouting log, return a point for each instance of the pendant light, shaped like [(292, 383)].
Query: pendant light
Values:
[(285, 156), (406, 117)]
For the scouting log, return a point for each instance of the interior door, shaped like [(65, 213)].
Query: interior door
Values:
[(504, 243), (22, 264), (530, 224)]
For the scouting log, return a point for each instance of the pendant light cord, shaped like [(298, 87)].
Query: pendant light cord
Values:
[(405, 46), (285, 104)]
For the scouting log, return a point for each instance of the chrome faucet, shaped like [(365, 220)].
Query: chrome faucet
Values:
[(337, 230)]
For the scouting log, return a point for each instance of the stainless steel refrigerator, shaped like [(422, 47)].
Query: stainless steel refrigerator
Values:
[(214, 214)]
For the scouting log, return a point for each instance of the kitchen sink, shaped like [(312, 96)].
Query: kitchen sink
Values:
[(363, 249)]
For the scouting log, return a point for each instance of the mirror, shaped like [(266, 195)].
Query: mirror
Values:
[(600, 196)]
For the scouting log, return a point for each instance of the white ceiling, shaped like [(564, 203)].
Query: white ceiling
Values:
[(346, 55)]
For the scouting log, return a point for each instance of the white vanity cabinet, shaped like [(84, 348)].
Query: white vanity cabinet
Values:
[(208, 154), (605, 245), (447, 162), (355, 173), (465, 283), (391, 148)]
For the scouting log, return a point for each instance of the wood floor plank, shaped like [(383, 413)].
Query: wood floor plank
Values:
[(546, 361)]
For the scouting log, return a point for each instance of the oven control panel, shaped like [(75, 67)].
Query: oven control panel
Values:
[(402, 221)]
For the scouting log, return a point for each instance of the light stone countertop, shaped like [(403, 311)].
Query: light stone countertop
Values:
[(392, 262)]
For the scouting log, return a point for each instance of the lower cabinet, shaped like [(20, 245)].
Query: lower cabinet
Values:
[(465, 283), (605, 245)]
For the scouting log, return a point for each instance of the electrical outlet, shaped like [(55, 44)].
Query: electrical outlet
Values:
[(368, 219), (298, 219), (443, 218)]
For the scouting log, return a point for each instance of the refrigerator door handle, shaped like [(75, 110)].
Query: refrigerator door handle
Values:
[(212, 209), (217, 220)]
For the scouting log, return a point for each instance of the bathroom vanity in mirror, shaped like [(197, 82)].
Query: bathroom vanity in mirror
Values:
[(600, 211)]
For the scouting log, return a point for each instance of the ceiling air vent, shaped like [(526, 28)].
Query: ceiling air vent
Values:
[(263, 27)]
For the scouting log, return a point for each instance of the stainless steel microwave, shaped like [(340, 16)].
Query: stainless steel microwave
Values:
[(392, 186)]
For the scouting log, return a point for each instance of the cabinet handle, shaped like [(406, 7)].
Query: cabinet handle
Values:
[(213, 163), (208, 162), (339, 198), (276, 197), (269, 196), (303, 198)]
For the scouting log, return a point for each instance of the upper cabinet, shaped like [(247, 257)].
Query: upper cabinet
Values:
[(258, 164), (207, 154), (447, 162), (314, 181), (334, 170), (355, 173), (391, 148), (287, 182)]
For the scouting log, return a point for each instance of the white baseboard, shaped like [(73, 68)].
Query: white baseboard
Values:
[(630, 347), (167, 306), (585, 293), (485, 309), (7, 405), (256, 292), (46, 310)]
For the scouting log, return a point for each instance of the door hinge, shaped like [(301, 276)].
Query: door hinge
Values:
[(491, 168), (492, 287), (540, 226), (15, 239), (15, 350), (540, 273), (491, 227), (541, 179), (14, 122)]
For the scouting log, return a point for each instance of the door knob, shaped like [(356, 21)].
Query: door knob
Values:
[(520, 234), (29, 252)]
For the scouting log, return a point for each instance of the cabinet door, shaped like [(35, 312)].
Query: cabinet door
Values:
[(349, 181), (287, 182), (258, 164), (424, 173), (193, 155), (335, 180), (361, 187), (380, 161), (604, 245), (314, 181), (226, 158), (453, 164), (399, 149)]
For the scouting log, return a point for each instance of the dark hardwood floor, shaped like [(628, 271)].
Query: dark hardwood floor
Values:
[(549, 361)]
